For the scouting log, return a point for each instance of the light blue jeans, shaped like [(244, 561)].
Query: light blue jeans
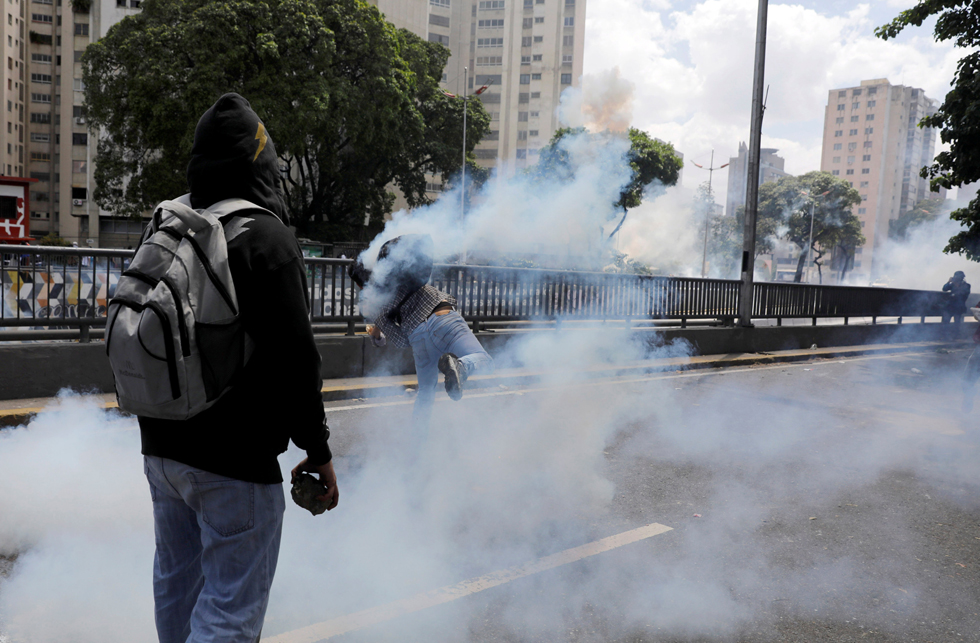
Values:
[(217, 543), (437, 335)]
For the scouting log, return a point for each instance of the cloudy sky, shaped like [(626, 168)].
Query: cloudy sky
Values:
[(690, 66)]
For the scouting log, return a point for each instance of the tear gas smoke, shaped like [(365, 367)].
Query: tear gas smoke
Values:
[(605, 102)]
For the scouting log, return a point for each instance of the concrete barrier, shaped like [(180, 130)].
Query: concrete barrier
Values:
[(41, 369)]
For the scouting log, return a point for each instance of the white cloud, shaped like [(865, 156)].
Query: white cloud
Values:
[(692, 65)]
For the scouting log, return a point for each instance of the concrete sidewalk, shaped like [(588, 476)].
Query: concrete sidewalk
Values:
[(16, 412)]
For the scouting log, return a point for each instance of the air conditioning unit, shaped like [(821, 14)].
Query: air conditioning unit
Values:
[(90, 243), (78, 202), (79, 120)]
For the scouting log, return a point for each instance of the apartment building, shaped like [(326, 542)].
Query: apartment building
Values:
[(13, 148), (61, 147), (871, 139), (771, 168), (527, 51)]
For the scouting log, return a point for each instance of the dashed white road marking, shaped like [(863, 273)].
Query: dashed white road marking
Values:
[(627, 380), (358, 620)]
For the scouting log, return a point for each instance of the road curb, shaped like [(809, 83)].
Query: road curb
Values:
[(334, 392)]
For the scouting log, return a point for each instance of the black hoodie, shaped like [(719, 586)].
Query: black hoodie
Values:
[(277, 396)]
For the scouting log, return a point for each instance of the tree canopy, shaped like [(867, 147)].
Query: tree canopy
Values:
[(790, 203), (958, 118), (651, 162), (925, 211), (352, 104)]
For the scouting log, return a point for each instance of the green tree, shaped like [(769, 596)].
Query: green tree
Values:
[(652, 162), (352, 103), (958, 118), (793, 202), (925, 211)]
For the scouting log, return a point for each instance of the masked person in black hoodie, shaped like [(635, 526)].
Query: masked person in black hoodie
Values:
[(215, 480), (411, 313)]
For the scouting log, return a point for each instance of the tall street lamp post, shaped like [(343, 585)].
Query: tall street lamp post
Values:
[(707, 217)]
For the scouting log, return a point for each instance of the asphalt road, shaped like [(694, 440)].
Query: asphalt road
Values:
[(834, 500)]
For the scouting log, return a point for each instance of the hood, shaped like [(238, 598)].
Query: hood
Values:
[(233, 157)]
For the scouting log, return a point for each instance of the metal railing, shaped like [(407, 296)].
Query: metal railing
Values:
[(47, 289)]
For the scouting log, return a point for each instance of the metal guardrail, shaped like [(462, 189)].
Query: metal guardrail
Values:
[(51, 288)]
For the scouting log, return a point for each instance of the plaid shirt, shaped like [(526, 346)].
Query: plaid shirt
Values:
[(417, 308)]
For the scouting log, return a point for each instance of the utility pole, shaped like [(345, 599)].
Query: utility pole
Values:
[(707, 217), (752, 188)]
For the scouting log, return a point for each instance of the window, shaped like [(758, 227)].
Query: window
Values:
[(569, 3), (40, 17), (867, 143), (864, 184), (487, 5), (568, 41), (538, 20), (39, 215), (852, 132), (838, 133), (39, 196), (871, 103), (854, 119), (862, 211), (528, 4), (535, 94), (566, 79), (496, 23), (134, 4), (525, 60), (522, 154), (79, 193), (835, 172), (42, 1), (40, 156), (869, 130), (532, 132), (40, 118), (526, 23), (79, 139), (79, 167), (855, 92), (869, 117), (865, 170), (850, 159), (536, 58), (40, 98), (78, 111), (866, 157), (79, 86), (494, 116), (840, 119), (41, 78), (842, 94), (522, 97), (81, 29), (521, 117), (439, 3), (855, 105), (837, 146), (569, 21), (442, 40), (439, 21), (489, 42), (566, 59), (525, 79), (864, 197), (836, 159), (535, 114), (535, 76), (872, 90), (42, 59), (522, 135), (525, 41), (840, 108), (851, 147), (491, 61), (37, 137), (539, 39), (850, 172)]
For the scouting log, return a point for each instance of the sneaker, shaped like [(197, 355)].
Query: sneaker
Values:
[(452, 368)]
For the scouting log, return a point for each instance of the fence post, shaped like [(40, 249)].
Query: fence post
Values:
[(350, 328), (83, 334)]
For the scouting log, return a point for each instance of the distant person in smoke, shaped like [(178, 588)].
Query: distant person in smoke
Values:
[(215, 480), (404, 309), (955, 307), (972, 373)]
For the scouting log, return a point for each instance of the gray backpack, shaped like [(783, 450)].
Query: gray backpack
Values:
[(173, 333)]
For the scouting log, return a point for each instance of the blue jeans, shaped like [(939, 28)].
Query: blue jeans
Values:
[(217, 543), (437, 335)]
